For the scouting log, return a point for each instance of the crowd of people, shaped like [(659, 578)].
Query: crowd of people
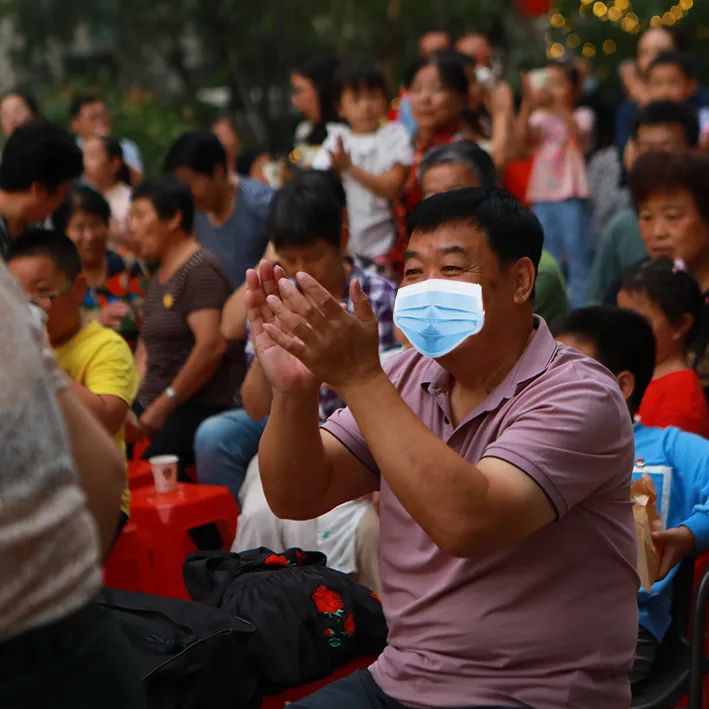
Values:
[(436, 343)]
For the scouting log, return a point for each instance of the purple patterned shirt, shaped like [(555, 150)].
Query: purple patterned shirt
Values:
[(381, 293)]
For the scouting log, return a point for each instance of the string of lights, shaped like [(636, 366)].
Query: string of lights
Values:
[(566, 30)]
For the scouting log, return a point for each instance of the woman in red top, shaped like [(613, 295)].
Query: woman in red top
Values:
[(670, 299), (438, 91)]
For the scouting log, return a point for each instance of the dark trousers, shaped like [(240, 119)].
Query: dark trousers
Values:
[(176, 437), (645, 652), (80, 662), (358, 691)]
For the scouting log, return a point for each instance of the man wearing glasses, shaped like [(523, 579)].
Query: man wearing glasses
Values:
[(97, 360)]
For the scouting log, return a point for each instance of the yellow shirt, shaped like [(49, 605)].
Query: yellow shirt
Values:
[(100, 360)]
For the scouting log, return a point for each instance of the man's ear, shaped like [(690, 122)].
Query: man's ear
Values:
[(626, 382), (174, 222), (523, 278)]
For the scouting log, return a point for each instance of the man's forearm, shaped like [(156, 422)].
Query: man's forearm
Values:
[(292, 462), (439, 489)]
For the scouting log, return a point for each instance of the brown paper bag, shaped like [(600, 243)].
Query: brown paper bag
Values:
[(647, 520)]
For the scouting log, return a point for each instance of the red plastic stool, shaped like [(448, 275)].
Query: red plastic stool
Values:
[(129, 565), (167, 517), (139, 474)]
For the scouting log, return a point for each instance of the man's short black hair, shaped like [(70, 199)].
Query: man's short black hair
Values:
[(200, 152), (364, 74), (684, 60), (668, 112), (513, 232), (81, 199), (80, 100), (623, 341), (305, 210), (462, 152), (53, 244), (168, 197), (40, 152)]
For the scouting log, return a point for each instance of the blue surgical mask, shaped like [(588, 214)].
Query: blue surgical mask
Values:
[(438, 314)]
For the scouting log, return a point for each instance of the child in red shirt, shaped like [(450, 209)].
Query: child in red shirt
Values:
[(670, 300)]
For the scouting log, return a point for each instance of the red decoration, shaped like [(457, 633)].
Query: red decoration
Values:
[(349, 625), (276, 560), (534, 8), (326, 600)]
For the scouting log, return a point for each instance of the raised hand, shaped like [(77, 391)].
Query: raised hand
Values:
[(283, 371), (340, 349)]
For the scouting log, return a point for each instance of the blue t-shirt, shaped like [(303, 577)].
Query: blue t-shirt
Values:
[(678, 464), (239, 243)]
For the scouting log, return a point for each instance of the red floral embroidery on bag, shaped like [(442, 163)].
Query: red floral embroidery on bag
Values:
[(376, 598), (300, 557), (276, 560), (327, 601), (349, 624)]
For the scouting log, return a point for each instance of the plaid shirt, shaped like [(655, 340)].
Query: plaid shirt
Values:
[(381, 293)]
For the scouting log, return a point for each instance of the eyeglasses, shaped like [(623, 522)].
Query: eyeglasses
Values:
[(51, 296)]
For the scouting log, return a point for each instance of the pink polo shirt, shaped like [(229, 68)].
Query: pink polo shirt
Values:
[(552, 621)]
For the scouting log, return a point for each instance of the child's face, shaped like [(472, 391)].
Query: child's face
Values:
[(363, 108), (559, 87), (667, 82), (667, 337)]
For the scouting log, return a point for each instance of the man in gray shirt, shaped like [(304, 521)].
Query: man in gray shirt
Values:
[(232, 211)]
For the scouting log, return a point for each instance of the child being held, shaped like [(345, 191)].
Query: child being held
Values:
[(372, 157), (670, 300)]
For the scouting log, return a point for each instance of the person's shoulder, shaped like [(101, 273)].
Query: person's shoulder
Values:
[(672, 446), (205, 263), (254, 192), (393, 131), (622, 221), (549, 266)]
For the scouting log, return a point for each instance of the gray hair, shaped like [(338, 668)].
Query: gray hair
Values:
[(461, 152)]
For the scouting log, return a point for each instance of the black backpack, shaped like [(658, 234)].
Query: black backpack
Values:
[(191, 656), (308, 619)]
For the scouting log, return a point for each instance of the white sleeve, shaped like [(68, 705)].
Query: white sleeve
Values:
[(398, 145)]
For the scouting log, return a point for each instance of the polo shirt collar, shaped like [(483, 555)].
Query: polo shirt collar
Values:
[(534, 360)]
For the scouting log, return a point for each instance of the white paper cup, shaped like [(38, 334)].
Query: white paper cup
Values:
[(164, 469)]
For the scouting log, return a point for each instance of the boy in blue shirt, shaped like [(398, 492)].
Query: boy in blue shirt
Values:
[(677, 462)]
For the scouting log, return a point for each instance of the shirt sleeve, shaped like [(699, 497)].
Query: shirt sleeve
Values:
[(322, 161), (398, 147), (689, 457), (204, 289), (573, 437), (131, 155), (112, 371)]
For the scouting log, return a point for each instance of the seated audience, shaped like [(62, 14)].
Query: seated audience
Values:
[(623, 342), (115, 287), (633, 74), (58, 517), (105, 171), (659, 126), (485, 503), (186, 368), (372, 158), (437, 88), (464, 164), (89, 116), (230, 217), (669, 193), (312, 84), (39, 164), (306, 231), (669, 299), (558, 188), (16, 108), (98, 362)]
